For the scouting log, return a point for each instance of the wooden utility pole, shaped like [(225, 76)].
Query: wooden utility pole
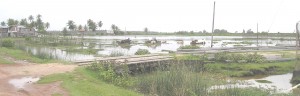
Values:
[(213, 23), (257, 36)]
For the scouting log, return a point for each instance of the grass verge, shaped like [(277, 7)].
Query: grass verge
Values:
[(83, 82), (250, 69), (21, 55)]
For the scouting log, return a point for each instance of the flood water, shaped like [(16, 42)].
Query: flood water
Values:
[(20, 83), (107, 45), (279, 83)]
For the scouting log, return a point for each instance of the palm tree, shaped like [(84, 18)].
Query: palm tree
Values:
[(30, 18), (3, 23), (71, 25), (100, 24), (23, 22)]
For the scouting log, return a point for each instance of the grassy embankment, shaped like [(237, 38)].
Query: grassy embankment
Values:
[(9, 52), (21, 55), (83, 82)]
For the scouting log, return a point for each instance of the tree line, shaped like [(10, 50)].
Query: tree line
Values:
[(30, 22)]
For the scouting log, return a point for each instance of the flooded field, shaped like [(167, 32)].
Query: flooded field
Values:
[(105, 45)]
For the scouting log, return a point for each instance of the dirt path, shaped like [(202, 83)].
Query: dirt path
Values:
[(18, 71)]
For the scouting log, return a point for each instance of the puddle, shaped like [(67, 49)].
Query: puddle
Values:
[(279, 83), (21, 82)]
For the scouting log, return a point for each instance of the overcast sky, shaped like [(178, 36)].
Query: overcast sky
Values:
[(161, 15)]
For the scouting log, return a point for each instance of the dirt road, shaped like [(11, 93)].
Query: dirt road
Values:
[(18, 71)]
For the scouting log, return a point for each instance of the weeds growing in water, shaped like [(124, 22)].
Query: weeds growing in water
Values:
[(117, 75), (189, 47), (116, 53), (142, 52)]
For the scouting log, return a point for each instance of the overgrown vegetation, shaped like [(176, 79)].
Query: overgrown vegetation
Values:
[(239, 58), (116, 53), (263, 81), (141, 52), (117, 75), (84, 82), (250, 69), (7, 43), (189, 47)]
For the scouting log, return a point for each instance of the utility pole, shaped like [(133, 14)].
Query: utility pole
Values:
[(213, 23), (257, 36)]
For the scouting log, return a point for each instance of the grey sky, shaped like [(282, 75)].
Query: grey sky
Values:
[(161, 15)]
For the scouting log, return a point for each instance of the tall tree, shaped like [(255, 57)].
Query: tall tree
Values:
[(3, 23), (146, 30), (80, 27), (30, 18), (86, 28), (92, 25), (39, 23), (115, 29), (100, 24), (71, 25), (47, 25), (17, 22), (10, 22), (23, 22), (65, 31)]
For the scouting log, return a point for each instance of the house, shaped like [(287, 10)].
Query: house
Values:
[(3, 31), (20, 31)]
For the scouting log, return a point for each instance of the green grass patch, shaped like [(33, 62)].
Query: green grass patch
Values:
[(250, 69), (263, 81), (83, 82), (4, 61), (189, 47), (21, 55)]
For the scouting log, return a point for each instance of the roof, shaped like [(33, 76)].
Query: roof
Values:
[(3, 26)]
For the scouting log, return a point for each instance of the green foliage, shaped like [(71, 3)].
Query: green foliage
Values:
[(8, 43), (192, 57), (117, 75), (21, 55), (141, 52), (116, 53), (179, 80), (250, 69), (240, 92), (263, 81), (239, 58), (189, 47), (85, 82)]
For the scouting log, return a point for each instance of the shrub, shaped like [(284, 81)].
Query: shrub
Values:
[(142, 52), (116, 53), (239, 58), (189, 47), (117, 75), (8, 43)]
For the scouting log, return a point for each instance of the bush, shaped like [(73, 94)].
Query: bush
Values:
[(7, 43), (239, 58), (117, 75), (142, 52), (116, 53), (189, 47)]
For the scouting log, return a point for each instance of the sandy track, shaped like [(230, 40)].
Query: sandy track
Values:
[(15, 71)]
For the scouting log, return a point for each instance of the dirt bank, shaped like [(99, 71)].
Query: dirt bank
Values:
[(17, 71)]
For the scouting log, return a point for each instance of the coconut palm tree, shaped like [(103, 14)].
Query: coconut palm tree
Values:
[(71, 25), (3, 23), (100, 24), (30, 18)]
